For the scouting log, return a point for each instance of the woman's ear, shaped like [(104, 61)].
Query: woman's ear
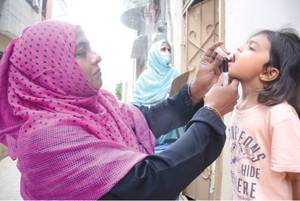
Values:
[(269, 74)]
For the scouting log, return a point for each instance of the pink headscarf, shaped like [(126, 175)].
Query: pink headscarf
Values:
[(41, 86)]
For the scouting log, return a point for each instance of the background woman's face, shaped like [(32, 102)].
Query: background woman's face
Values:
[(165, 48), (88, 60), (165, 53)]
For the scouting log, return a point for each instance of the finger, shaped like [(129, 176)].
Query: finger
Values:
[(234, 83), (217, 83), (219, 57), (217, 62), (210, 58), (224, 52), (219, 70), (227, 52), (221, 51), (213, 57), (210, 50), (220, 80), (206, 59), (215, 80)]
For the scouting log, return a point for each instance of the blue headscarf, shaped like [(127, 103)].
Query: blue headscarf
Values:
[(155, 82)]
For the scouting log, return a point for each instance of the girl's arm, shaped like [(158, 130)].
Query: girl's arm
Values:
[(295, 179)]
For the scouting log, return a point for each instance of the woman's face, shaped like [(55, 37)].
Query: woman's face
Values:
[(165, 48), (88, 60), (250, 58), (165, 53)]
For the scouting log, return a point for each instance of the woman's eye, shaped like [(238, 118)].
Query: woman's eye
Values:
[(165, 49), (80, 53), (81, 50)]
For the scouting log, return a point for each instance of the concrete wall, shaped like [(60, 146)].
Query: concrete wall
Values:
[(15, 15), (243, 18), (4, 40), (3, 151), (176, 16)]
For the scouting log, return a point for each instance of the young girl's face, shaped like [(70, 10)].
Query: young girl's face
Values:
[(250, 58)]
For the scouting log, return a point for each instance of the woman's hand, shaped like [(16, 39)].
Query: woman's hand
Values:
[(222, 98), (208, 72)]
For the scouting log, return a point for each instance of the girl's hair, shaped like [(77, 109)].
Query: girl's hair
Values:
[(285, 56)]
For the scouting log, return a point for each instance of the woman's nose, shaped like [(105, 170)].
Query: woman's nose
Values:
[(96, 58)]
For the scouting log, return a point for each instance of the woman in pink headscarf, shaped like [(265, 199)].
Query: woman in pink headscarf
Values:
[(73, 140)]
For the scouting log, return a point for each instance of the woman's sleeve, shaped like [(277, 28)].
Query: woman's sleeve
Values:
[(171, 113), (165, 175)]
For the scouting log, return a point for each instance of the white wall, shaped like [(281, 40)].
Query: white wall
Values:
[(245, 17), (242, 19)]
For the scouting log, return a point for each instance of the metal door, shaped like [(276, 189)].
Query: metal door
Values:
[(201, 30)]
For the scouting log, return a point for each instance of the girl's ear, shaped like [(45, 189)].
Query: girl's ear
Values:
[(269, 74)]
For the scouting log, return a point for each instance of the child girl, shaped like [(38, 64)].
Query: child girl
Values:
[(264, 132)]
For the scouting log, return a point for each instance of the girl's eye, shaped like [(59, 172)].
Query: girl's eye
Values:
[(251, 48)]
